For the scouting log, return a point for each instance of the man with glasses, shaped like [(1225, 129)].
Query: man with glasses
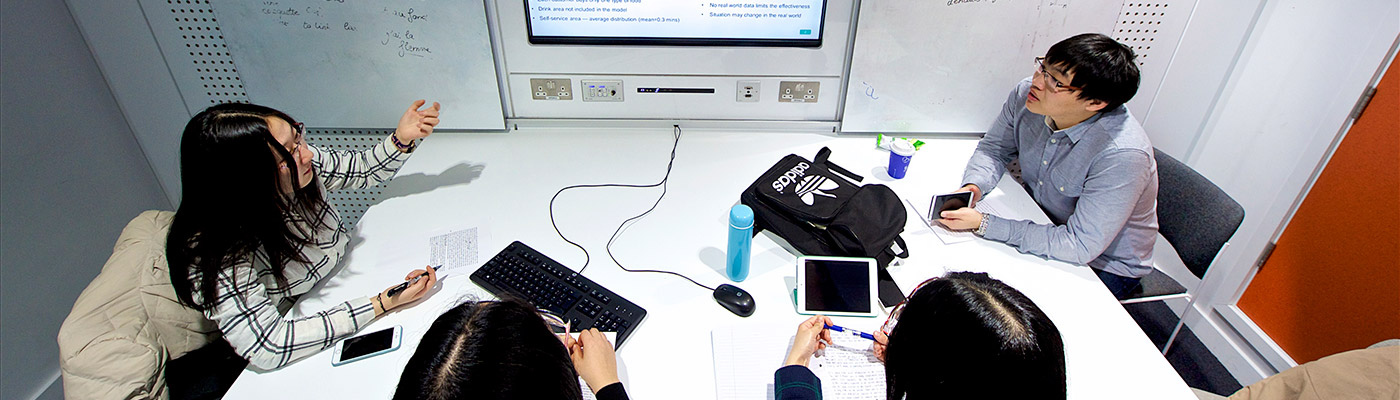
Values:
[(1084, 159)]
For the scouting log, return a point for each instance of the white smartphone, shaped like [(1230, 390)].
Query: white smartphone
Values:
[(950, 201), (837, 286), (367, 345)]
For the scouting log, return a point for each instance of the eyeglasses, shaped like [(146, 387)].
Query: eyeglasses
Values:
[(555, 322), (300, 130), (893, 319), (1051, 83)]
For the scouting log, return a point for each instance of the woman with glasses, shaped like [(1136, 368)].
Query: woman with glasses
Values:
[(508, 350), (960, 336), (253, 229)]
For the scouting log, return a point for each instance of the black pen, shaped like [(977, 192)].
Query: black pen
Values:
[(404, 286)]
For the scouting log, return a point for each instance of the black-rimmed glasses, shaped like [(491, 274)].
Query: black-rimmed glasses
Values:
[(1051, 83)]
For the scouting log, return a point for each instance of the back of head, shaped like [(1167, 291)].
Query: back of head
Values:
[(489, 350), (1103, 68), (966, 335)]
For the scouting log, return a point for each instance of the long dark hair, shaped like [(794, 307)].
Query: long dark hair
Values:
[(966, 335), (233, 202), (489, 350)]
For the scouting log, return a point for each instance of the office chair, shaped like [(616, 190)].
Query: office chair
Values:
[(1198, 219)]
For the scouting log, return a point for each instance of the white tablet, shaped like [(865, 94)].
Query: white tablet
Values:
[(837, 286)]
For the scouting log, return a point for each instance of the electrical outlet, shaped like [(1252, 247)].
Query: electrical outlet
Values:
[(601, 90), (798, 92), (747, 91), (551, 89)]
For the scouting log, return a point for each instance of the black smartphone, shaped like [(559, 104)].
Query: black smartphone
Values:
[(950, 201)]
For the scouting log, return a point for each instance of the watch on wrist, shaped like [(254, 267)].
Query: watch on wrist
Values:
[(981, 226)]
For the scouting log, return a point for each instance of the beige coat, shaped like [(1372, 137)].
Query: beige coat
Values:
[(128, 323)]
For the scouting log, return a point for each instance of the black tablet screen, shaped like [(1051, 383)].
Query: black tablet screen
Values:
[(838, 286)]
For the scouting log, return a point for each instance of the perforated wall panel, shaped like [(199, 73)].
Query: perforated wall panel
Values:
[(1153, 30), (350, 203), (193, 44)]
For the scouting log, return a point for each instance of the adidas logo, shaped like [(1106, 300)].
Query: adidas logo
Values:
[(814, 185), (809, 187), (791, 176)]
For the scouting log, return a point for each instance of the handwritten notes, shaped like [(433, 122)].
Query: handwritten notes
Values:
[(849, 370), (746, 356), (336, 16), (357, 64)]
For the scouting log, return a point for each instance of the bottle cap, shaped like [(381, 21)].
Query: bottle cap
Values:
[(740, 217)]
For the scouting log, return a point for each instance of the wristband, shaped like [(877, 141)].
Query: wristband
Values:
[(400, 145), (981, 226)]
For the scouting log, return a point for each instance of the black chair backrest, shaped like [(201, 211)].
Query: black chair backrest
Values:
[(1195, 216)]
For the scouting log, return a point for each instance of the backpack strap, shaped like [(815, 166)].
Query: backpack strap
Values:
[(903, 249), (821, 159)]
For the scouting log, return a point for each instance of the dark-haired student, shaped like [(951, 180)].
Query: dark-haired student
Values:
[(253, 229), (961, 336), (507, 350), (1084, 159)]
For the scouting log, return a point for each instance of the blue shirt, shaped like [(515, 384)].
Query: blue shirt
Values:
[(1097, 181)]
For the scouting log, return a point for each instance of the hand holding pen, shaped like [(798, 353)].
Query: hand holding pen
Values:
[(812, 335), (878, 337), (414, 287)]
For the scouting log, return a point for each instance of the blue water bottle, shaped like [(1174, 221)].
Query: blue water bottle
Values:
[(740, 238)]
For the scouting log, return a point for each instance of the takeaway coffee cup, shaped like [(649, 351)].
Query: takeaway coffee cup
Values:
[(901, 152)]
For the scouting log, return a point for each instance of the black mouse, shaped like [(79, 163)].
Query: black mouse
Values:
[(734, 299)]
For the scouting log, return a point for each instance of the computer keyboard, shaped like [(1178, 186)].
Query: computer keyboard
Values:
[(525, 273)]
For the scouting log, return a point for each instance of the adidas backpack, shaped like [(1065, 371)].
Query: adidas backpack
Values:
[(820, 209)]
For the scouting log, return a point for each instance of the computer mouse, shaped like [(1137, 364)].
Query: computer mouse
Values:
[(734, 299)]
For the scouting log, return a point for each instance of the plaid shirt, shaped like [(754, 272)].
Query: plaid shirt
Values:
[(251, 303)]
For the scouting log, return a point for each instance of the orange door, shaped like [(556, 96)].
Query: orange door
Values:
[(1333, 281)]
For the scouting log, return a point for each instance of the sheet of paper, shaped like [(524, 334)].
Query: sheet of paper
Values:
[(745, 359), (849, 370), (455, 250), (986, 206)]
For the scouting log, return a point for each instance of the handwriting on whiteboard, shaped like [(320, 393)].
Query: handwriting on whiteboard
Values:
[(335, 17)]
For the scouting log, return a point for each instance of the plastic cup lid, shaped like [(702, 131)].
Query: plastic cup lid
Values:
[(902, 147)]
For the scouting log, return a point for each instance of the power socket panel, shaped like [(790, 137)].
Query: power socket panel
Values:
[(747, 91), (551, 89), (601, 90), (798, 91)]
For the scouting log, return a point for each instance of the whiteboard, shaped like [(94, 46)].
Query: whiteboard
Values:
[(355, 64), (948, 65)]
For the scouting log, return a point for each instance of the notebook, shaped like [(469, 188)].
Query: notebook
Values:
[(746, 357)]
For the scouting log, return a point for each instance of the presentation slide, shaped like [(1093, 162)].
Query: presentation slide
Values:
[(730, 20)]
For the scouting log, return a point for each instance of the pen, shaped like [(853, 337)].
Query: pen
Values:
[(404, 286), (853, 332)]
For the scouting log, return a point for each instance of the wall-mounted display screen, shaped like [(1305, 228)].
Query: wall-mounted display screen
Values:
[(776, 23)]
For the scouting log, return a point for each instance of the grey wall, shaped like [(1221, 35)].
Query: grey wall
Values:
[(71, 176)]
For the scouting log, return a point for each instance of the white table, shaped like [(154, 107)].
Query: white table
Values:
[(502, 183)]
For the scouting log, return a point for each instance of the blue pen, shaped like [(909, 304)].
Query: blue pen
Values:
[(853, 332), (404, 286)]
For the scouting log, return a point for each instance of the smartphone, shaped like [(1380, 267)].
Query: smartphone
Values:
[(367, 345), (950, 201)]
